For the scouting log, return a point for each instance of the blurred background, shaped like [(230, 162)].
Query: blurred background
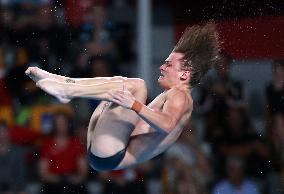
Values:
[(234, 142)]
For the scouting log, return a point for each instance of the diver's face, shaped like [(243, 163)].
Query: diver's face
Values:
[(171, 70)]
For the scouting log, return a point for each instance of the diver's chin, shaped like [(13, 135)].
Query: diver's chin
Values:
[(162, 83), (161, 80)]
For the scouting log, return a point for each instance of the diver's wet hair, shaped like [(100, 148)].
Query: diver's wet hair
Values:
[(200, 47)]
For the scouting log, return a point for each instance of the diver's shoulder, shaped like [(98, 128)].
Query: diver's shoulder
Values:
[(179, 94), (179, 91)]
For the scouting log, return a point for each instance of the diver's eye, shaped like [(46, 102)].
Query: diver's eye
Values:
[(168, 64)]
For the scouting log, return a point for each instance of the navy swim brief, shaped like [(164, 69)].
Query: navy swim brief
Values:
[(107, 163)]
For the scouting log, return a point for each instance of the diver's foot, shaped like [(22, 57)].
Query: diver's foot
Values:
[(54, 88), (37, 74)]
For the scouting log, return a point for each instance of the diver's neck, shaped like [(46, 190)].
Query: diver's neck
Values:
[(184, 87)]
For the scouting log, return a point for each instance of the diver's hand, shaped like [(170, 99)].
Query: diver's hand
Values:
[(122, 97)]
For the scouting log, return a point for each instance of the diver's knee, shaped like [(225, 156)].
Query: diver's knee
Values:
[(118, 78), (137, 84), (141, 83)]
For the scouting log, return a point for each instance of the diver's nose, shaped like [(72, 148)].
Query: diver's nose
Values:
[(162, 67)]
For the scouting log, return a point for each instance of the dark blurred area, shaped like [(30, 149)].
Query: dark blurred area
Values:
[(223, 150), (224, 9)]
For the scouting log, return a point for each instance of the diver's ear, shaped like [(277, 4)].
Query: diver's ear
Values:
[(185, 75)]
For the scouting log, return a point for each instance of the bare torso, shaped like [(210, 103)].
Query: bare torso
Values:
[(158, 142), (113, 127)]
